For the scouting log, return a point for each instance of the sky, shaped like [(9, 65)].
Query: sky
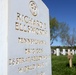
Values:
[(64, 11)]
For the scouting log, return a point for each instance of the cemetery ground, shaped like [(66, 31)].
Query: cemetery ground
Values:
[(60, 65)]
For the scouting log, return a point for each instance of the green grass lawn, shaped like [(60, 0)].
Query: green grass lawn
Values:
[(60, 65)]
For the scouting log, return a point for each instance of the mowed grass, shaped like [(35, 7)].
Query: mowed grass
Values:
[(60, 65)]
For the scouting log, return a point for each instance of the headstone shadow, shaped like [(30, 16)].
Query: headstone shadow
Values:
[(74, 65)]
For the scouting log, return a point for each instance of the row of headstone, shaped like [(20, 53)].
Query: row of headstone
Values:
[(63, 52)]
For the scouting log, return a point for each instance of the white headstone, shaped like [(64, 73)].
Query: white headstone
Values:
[(64, 52), (73, 52), (54, 51), (24, 38), (69, 51), (57, 51)]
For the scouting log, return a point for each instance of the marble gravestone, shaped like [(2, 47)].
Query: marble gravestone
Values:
[(54, 51), (64, 52), (24, 38), (68, 51), (73, 52), (58, 52)]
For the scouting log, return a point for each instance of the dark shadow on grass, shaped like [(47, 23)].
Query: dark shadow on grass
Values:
[(74, 65), (67, 65)]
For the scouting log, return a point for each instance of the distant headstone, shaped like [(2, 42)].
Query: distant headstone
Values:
[(64, 52), (68, 51), (54, 52), (58, 52), (24, 38), (73, 52)]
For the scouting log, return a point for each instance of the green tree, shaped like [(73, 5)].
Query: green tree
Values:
[(67, 36), (62, 31), (54, 29)]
